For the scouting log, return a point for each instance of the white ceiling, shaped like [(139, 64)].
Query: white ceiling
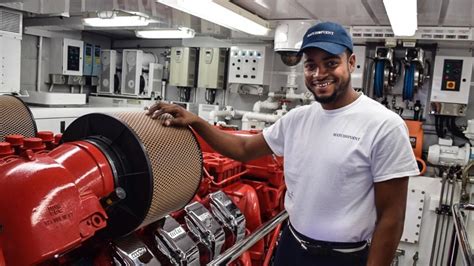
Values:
[(448, 13), (362, 12)]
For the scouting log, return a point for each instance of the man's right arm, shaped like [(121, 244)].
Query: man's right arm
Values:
[(241, 148)]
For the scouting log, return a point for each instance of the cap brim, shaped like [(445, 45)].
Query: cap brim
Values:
[(332, 48)]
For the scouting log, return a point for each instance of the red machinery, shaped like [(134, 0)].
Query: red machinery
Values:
[(103, 197)]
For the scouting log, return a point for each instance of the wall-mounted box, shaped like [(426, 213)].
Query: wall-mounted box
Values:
[(10, 68), (155, 77), (250, 64), (183, 67), (109, 81), (451, 79), (96, 62), (133, 63), (357, 76), (88, 59), (11, 29), (66, 56), (211, 71)]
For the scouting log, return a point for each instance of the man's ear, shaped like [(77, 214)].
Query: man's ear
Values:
[(352, 62)]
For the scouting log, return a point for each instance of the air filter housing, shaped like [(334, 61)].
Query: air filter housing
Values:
[(15, 118), (160, 168)]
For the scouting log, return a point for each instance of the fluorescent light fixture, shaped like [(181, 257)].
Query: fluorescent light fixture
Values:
[(403, 16), (223, 13), (180, 33), (111, 19)]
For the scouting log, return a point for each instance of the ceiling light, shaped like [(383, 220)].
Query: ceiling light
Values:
[(403, 16), (223, 13), (112, 19), (180, 33)]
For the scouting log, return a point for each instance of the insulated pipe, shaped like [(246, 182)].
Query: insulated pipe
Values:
[(291, 95), (269, 118), (220, 113), (269, 104)]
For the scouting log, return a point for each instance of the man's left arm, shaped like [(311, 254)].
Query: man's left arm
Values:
[(390, 203)]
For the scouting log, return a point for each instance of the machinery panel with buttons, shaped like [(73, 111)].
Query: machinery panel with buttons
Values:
[(451, 75), (451, 80), (250, 65)]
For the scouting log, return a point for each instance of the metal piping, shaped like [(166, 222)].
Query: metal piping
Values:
[(39, 64), (464, 181), (236, 250), (461, 233)]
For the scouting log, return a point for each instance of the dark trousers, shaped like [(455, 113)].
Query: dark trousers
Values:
[(290, 252)]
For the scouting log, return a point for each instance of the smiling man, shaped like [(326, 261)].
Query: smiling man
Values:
[(346, 160)]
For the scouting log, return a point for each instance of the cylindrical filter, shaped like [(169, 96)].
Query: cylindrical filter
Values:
[(15, 118), (160, 168)]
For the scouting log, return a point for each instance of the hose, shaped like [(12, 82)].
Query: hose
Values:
[(409, 84), (379, 78)]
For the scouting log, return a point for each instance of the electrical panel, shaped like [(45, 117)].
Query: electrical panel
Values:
[(250, 64), (451, 79), (88, 59), (10, 58), (155, 77), (66, 56), (183, 67), (211, 68), (96, 62), (357, 76), (108, 80), (133, 64), (11, 30)]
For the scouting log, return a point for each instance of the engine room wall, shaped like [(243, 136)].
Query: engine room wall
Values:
[(29, 58), (230, 96)]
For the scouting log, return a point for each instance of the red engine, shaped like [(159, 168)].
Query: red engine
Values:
[(87, 200)]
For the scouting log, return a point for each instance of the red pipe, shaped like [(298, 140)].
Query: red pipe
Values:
[(272, 246)]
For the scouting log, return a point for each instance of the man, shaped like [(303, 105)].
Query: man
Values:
[(346, 159)]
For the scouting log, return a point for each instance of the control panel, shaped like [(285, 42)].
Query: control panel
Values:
[(451, 79), (96, 63), (66, 56), (250, 65), (183, 66), (452, 70), (88, 58), (211, 68)]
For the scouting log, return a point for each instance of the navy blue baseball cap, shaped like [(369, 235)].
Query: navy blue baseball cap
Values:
[(328, 36)]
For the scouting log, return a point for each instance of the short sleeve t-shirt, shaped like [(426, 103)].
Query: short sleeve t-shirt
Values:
[(332, 159)]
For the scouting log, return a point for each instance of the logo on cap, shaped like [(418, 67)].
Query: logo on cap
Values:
[(325, 32)]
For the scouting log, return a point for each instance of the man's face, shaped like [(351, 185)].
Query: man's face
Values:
[(327, 76)]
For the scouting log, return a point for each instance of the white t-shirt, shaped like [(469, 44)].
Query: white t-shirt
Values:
[(331, 160)]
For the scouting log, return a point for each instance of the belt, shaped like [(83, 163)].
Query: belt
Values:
[(326, 247)]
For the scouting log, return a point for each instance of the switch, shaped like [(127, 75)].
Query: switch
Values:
[(450, 85)]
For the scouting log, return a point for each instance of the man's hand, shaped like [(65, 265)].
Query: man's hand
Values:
[(179, 115)]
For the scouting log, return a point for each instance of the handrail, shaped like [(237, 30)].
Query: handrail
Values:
[(236, 250), (461, 233)]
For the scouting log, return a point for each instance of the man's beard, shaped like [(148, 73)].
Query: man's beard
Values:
[(338, 91)]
